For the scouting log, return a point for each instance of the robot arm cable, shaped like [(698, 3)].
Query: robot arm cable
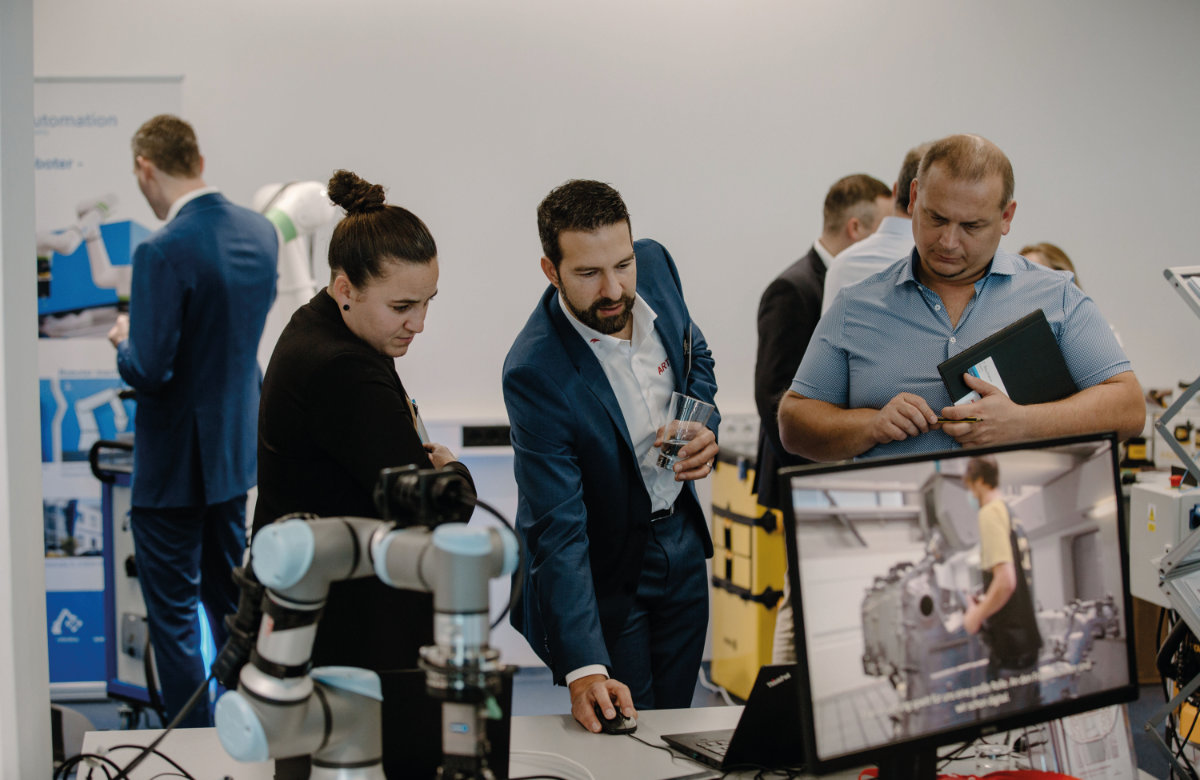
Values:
[(519, 577), (151, 748)]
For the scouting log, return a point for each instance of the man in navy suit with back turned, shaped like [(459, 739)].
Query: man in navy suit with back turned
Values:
[(615, 598), (202, 286)]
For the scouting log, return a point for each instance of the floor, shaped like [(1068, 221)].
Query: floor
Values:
[(535, 694)]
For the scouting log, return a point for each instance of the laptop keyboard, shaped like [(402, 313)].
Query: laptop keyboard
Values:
[(718, 746)]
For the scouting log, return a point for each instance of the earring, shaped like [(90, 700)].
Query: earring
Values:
[(345, 307)]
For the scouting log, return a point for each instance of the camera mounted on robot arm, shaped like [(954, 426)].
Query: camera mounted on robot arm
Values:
[(406, 495)]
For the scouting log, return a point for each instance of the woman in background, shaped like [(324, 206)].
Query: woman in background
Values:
[(334, 412), (1051, 256)]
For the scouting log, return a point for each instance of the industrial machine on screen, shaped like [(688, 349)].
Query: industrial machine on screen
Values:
[(892, 559)]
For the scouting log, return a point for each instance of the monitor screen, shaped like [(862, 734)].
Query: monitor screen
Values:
[(944, 596)]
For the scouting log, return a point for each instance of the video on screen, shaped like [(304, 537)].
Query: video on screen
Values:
[(953, 591)]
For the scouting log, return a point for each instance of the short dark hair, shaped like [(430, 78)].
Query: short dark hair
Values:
[(373, 232), (983, 467), (970, 158), (846, 197), (578, 204), (908, 172), (169, 143)]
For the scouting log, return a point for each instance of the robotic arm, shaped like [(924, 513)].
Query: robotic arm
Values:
[(281, 710), (298, 210)]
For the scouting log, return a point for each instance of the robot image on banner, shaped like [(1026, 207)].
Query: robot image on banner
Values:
[(299, 210), (86, 231), (80, 287)]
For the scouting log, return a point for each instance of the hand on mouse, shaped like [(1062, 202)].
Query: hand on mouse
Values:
[(597, 691), (616, 725)]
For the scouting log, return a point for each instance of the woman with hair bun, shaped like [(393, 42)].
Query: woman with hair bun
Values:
[(334, 412)]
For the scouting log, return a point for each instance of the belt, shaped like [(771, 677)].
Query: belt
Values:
[(662, 514)]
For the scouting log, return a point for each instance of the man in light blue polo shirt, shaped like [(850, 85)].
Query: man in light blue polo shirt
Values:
[(869, 385)]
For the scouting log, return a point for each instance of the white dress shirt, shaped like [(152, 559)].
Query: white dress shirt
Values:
[(890, 242), (641, 378), (823, 253), (187, 198)]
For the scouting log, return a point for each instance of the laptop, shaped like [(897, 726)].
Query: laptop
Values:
[(767, 734)]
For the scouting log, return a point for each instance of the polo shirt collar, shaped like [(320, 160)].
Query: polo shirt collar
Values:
[(1003, 264)]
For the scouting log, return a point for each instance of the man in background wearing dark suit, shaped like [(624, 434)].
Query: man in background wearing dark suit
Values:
[(789, 310), (202, 286)]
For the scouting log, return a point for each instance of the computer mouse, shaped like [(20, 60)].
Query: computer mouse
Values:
[(619, 724)]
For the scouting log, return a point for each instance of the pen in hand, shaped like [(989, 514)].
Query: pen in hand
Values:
[(965, 419)]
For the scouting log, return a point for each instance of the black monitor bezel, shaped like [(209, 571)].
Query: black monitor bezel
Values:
[(968, 732)]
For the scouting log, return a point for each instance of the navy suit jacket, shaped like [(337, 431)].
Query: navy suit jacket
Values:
[(582, 507), (202, 286)]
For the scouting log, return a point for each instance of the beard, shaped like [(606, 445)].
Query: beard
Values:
[(609, 324)]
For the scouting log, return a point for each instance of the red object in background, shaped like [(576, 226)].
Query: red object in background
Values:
[(1013, 774)]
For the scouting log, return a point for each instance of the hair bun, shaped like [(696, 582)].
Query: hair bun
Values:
[(355, 194)]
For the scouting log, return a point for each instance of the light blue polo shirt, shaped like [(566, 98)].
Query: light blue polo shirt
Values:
[(887, 334)]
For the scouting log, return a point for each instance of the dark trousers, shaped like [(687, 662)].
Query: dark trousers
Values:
[(185, 555), (1024, 691), (659, 650)]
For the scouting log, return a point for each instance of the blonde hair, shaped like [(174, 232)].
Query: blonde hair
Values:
[(1054, 256)]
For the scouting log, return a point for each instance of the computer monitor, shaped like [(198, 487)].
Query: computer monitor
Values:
[(884, 558)]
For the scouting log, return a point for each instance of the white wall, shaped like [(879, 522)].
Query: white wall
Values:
[(24, 669), (722, 122)]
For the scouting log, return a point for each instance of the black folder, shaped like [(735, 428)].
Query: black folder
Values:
[(1027, 357)]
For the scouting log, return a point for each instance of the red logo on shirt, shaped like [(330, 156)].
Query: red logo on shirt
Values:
[(663, 367)]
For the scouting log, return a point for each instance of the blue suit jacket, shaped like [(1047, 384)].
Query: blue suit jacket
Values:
[(582, 508), (202, 286)]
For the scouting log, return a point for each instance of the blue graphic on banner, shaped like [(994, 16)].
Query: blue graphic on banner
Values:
[(70, 286), (91, 410), (75, 635), (49, 405)]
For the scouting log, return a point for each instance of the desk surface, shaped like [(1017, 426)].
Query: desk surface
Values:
[(543, 744)]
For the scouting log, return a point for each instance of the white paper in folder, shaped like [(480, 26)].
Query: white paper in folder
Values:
[(987, 371)]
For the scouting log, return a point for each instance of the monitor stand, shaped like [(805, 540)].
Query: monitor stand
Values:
[(910, 764)]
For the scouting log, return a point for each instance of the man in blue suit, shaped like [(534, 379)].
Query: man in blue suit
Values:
[(615, 598), (202, 286)]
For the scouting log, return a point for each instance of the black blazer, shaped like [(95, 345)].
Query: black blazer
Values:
[(333, 414), (787, 316)]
